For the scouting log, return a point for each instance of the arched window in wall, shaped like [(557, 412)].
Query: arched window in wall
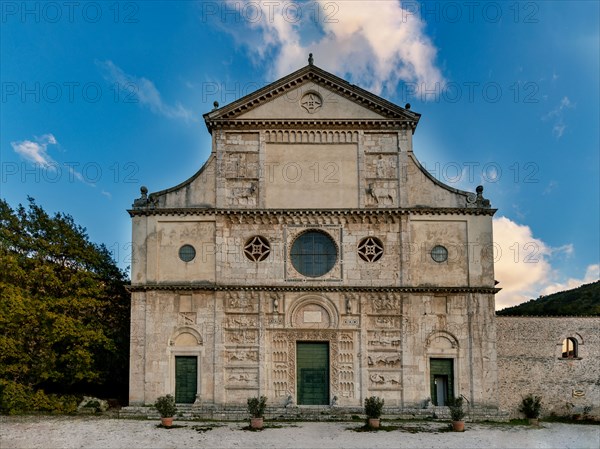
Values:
[(569, 348)]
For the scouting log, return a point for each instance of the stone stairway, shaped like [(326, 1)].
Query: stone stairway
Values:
[(310, 413)]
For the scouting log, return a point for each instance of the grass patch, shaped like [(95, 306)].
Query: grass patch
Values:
[(401, 428), (518, 422), (268, 426), (570, 420), (203, 429)]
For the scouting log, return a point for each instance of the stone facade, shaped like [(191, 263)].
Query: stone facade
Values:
[(531, 361), (409, 285)]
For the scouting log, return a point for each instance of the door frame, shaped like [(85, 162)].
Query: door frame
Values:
[(325, 342), (183, 351), (453, 385), (173, 350), (197, 374)]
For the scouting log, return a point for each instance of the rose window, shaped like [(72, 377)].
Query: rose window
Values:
[(257, 248), (370, 249)]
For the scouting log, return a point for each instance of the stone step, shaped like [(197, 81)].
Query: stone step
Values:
[(311, 413)]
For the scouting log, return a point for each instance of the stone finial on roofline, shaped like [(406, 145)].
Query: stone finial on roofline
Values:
[(477, 200), (310, 59), (143, 200)]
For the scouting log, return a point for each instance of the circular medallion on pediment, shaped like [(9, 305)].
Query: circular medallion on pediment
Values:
[(311, 102)]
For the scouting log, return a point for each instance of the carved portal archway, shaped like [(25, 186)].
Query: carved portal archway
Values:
[(284, 357)]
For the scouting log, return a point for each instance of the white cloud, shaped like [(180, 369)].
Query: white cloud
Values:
[(521, 262), (523, 265), (376, 44), (592, 274), (37, 152), (144, 91), (557, 116)]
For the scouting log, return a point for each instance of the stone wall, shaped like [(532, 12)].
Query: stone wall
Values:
[(530, 361)]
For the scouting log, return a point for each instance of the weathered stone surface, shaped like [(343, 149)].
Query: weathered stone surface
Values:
[(530, 362), (313, 154)]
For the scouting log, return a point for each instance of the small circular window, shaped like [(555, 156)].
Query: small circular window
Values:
[(439, 253), (257, 248), (187, 253), (370, 249), (313, 254)]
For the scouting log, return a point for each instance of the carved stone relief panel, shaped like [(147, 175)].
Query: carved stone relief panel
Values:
[(242, 193), (241, 356), (383, 339), (381, 166), (384, 380), (381, 193), (186, 318), (384, 303), (241, 337), (241, 321), (384, 322), (384, 359), (241, 377), (346, 342), (280, 364), (346, 364), (241, 302)]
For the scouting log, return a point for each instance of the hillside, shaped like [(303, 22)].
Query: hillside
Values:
[(583, 300)]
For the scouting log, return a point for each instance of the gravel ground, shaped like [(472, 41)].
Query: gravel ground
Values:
[(51, 432)]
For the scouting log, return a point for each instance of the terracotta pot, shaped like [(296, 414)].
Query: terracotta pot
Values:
[(256, 423), (166, 422), (458, 426), (374, 423), (534, 422)]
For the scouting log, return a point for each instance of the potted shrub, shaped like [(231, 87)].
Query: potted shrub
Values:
[(457, 414), (167, 409), (531, 407), (256, 408), (373, 408)]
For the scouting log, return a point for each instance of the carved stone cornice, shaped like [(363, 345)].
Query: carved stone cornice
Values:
[(312, 216), (203, 286), (252, 124)]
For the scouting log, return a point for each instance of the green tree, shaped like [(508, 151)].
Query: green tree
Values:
[(64, 310)]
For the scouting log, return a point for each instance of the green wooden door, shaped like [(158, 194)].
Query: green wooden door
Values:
[(441, 380), (312, 361), (186, 379)]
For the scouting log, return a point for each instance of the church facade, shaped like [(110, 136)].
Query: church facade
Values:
[(313, 260)]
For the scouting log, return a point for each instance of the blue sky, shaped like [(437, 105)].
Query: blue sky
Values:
[(99, 98)]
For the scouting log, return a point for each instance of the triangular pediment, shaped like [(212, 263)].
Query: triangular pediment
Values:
[(313, 95)]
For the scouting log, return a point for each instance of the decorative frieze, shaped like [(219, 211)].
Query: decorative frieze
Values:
[(241, 301), (312, 136), (384, 360), (383, 339), (384, 380), (241, 337), (241, 378), (237, 356)]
